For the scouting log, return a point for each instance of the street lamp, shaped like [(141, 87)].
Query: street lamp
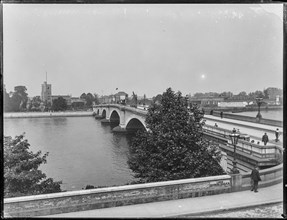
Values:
[(259, 102), (234, 139)]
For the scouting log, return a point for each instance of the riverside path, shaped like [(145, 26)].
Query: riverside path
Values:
[(187, 207), (254, 130)]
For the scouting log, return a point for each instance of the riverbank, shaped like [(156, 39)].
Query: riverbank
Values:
[(46, 114)]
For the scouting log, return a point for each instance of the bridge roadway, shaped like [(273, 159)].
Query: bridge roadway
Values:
[(254, 130), (187, 207)]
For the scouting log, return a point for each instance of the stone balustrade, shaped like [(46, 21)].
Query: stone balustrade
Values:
[(48, 204)]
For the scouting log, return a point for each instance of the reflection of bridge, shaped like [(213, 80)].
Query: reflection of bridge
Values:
[(248, 154)]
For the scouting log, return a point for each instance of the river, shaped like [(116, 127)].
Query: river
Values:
[(82, 151), (275, 115)]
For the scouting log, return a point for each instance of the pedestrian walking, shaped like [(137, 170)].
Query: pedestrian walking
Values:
[(277, 135), (211, 112), (215, 125), (265, 139), (255, 178), (221, 115)]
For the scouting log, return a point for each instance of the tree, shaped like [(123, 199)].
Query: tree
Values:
[(157, 99), (174, 147), (59, 104), (35, 103), (7, 104), (18, 99), (96, 99), (226, 95), (21, 174), (242, 94), (256, 94), (134, 101), (89, 99), (83, 96)]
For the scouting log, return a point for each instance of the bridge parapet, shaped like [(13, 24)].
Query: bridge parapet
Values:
[(122, 108), (271, 154)]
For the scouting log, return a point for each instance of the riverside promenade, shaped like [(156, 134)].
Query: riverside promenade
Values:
[(46, 114), (254, 130), (190, 207)]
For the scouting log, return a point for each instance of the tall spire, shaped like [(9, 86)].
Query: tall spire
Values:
[(46, 77)]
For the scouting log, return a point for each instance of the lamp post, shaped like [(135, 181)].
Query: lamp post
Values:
[(234, 139), (259, 102)]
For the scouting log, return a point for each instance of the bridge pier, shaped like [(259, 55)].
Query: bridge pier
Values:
[(99, 117), (119, 129), (105, 121)]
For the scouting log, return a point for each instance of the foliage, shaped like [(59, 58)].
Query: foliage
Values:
[(35, 104), (6, 104), (90, 98), (96, 98), (157, 99), (59, 104), (256, 94), (21, 174), (134, 101), (174, 147), (17, 101)]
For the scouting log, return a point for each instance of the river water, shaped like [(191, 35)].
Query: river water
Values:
[(275, 115), (82, 151)]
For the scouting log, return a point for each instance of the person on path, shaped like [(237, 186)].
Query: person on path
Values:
[(255, 178), (277, 135), (215, 125), (265, 139), (221, 115)]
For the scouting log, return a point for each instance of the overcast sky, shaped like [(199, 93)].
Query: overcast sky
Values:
[(144, 48)]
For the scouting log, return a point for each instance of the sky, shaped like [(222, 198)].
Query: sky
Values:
[(142, 48)]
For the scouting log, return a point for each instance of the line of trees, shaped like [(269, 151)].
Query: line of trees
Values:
[(226, 95)]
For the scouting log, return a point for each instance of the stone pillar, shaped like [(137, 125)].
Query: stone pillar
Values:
[(119, 129), (122, 126), (236, 182), (223, 161), (107, 119)]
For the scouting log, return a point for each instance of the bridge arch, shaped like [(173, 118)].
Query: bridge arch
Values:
[(104, 113), (134, 124), (115, 116)]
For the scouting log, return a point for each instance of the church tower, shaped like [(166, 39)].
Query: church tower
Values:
[(46, 94)]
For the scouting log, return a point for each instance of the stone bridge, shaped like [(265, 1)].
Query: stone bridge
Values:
[(128, 118)]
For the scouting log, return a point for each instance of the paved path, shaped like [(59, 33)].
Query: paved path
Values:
[(184, 207), (255, 130)]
